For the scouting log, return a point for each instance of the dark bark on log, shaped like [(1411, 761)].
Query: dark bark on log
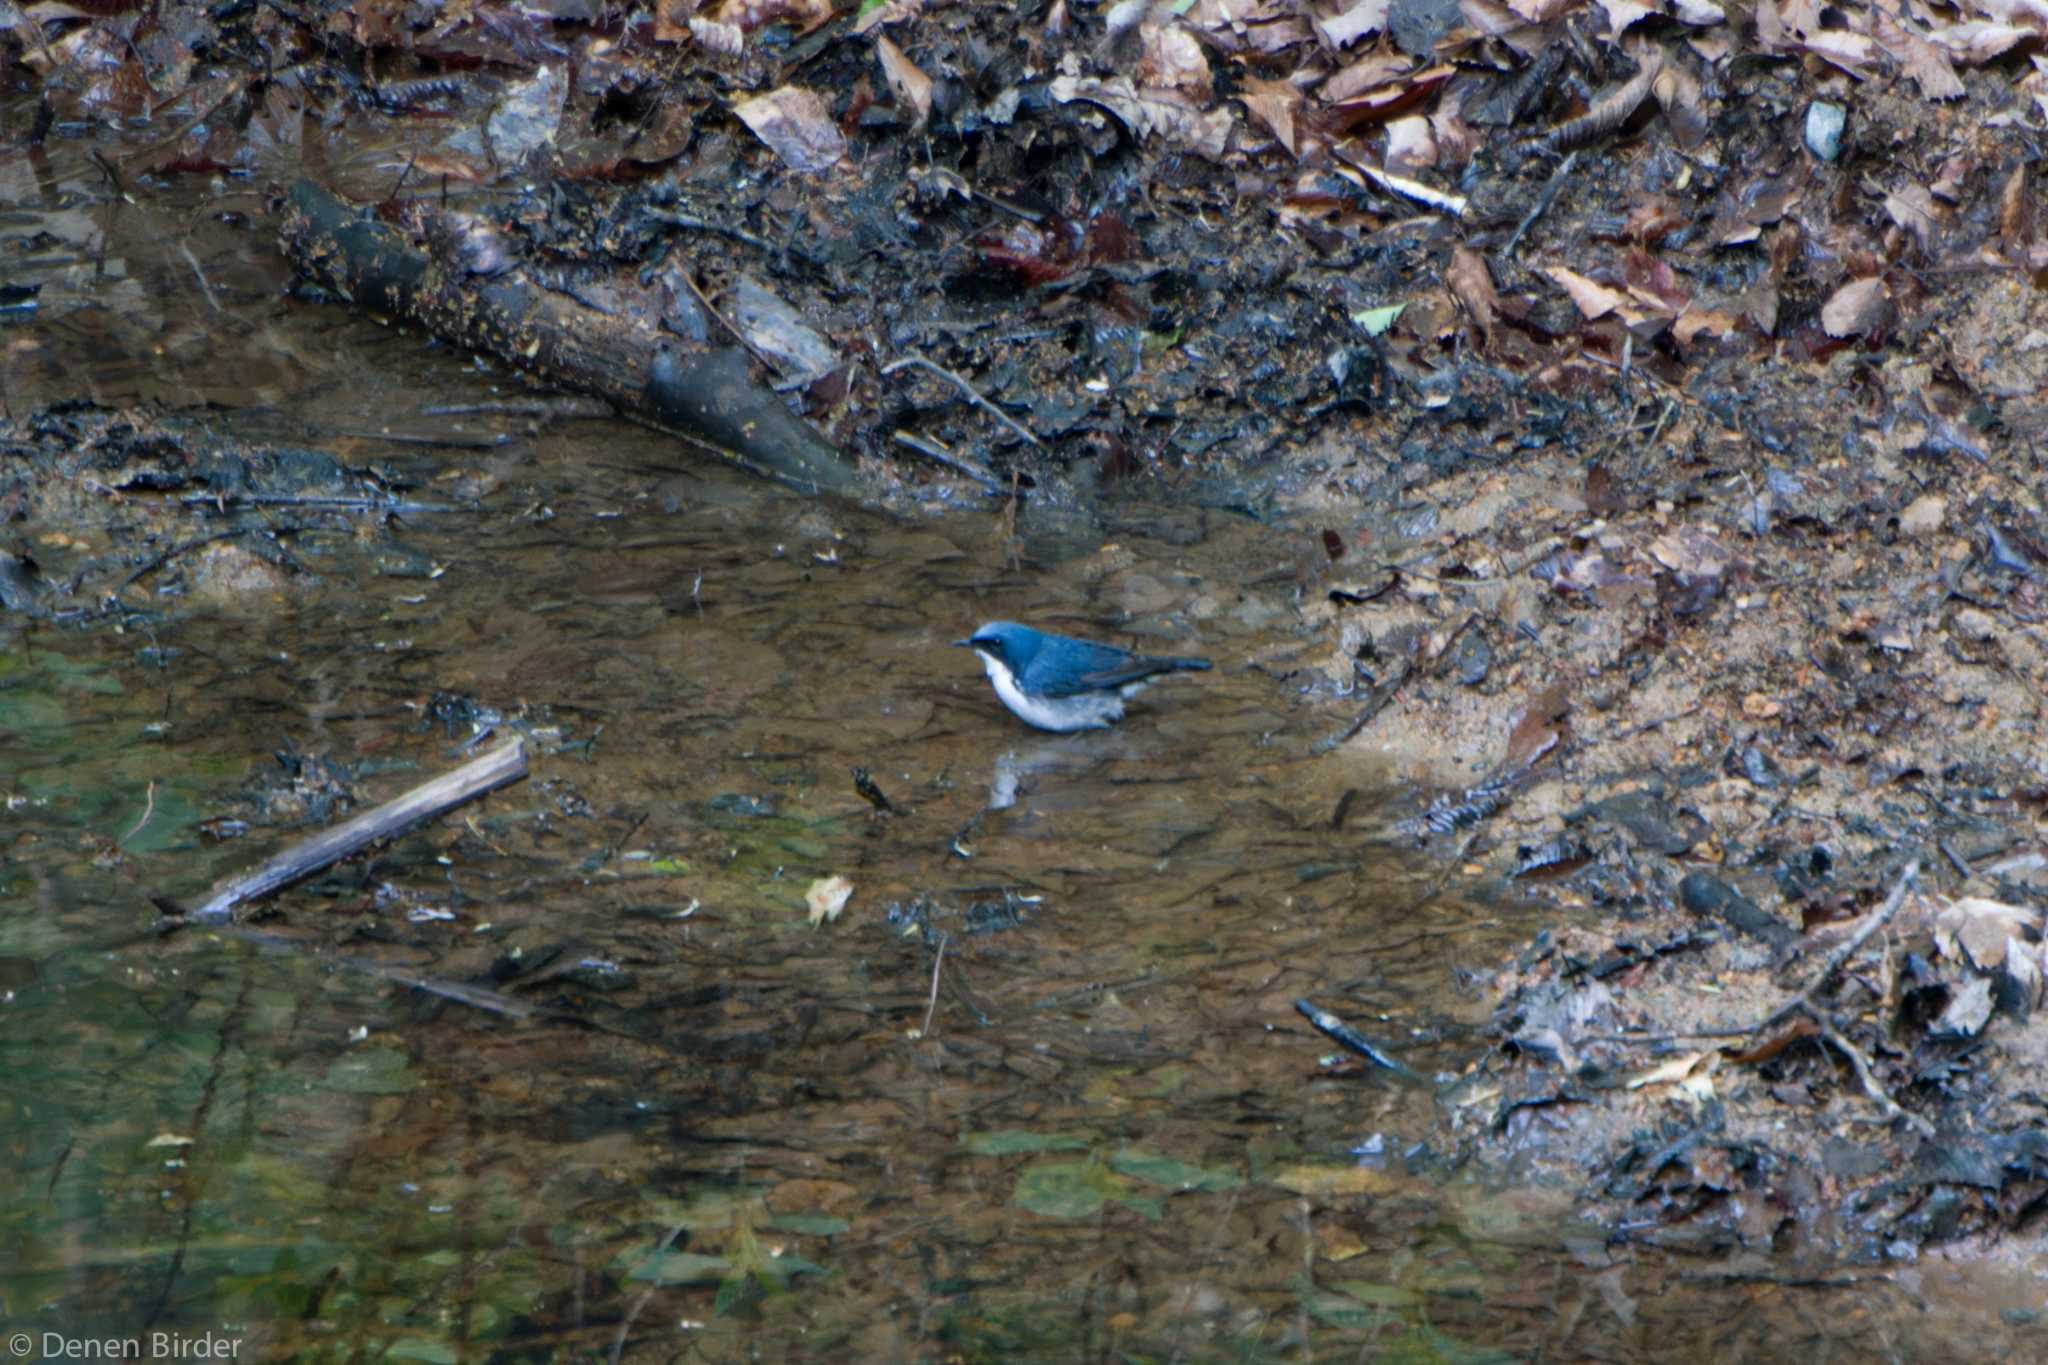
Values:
[(707, 395)]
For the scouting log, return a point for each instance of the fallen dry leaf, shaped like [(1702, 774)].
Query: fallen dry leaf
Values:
[(1927, 64), (1342, 30), (827, 897), (1669, 1073), (1855, 308), (1367, 73), (720, 40), (1150, 113), (1976, 42), (1273, 103), (1693, 553), (1171, 58), (1593, 299), (1472, 285), (1985, 930), (911, 87), (1621, 13), (1539, 727), (2015, 215), (796, 126), (1912, 208), (890, 12)]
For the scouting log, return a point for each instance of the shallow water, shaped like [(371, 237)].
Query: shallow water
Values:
[(1040, 1092)]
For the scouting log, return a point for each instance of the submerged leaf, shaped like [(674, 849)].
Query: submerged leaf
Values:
[(1015, 1141)]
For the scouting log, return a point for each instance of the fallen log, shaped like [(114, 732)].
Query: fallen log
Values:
[(705, 394)]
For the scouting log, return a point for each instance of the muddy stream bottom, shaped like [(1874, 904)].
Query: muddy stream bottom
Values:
[(1040, 1092)]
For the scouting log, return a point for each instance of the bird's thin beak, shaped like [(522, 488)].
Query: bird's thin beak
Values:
[(963, 644)]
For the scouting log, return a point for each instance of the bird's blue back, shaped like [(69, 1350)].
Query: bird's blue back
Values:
[(1061, 666)]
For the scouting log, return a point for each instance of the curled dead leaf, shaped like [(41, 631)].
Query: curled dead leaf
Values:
[(1472, 285), (1912, 208), (1855, 308), (1985, 930)]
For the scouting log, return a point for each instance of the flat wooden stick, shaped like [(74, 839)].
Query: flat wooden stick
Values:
[(506, 763)]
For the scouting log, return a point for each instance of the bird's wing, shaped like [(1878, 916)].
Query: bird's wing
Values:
[(1112, 668), (1077, 666)]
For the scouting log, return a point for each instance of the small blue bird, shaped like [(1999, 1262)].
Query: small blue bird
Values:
[(1059, 683)]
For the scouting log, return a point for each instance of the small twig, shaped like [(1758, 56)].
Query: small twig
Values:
[(740, 235), (1651, 724), (727, 324), (968, 389), (152, 565), (1374, 704), (1543, 551), (200, 271), (1871, 1087), (452, 440), (932, 1005), (1334, 1028), (1543, 201), (1805, 999), (222, 501), (1664, 417), (932, 450), (148, 809), (655, 1282), (565, 407)]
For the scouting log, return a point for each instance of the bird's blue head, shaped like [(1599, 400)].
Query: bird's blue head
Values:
[(1007, 643)]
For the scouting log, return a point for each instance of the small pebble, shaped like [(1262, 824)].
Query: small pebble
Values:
[(1824, 123)]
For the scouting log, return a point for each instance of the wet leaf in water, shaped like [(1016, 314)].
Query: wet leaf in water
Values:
[(1339, 1310), (1325, 1181), (1178, 1175), (1078, 1189), (810, 1224), (1012, 1141), (375, 1071), (1379, 1295), (678, 1267)]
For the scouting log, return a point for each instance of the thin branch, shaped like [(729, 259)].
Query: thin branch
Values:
[(1543, 201), (1871, 1087), (148, 809), (968, 389), (626, 1323), (932, 1005), (1845, 951), (933, 451), (506, 763)]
